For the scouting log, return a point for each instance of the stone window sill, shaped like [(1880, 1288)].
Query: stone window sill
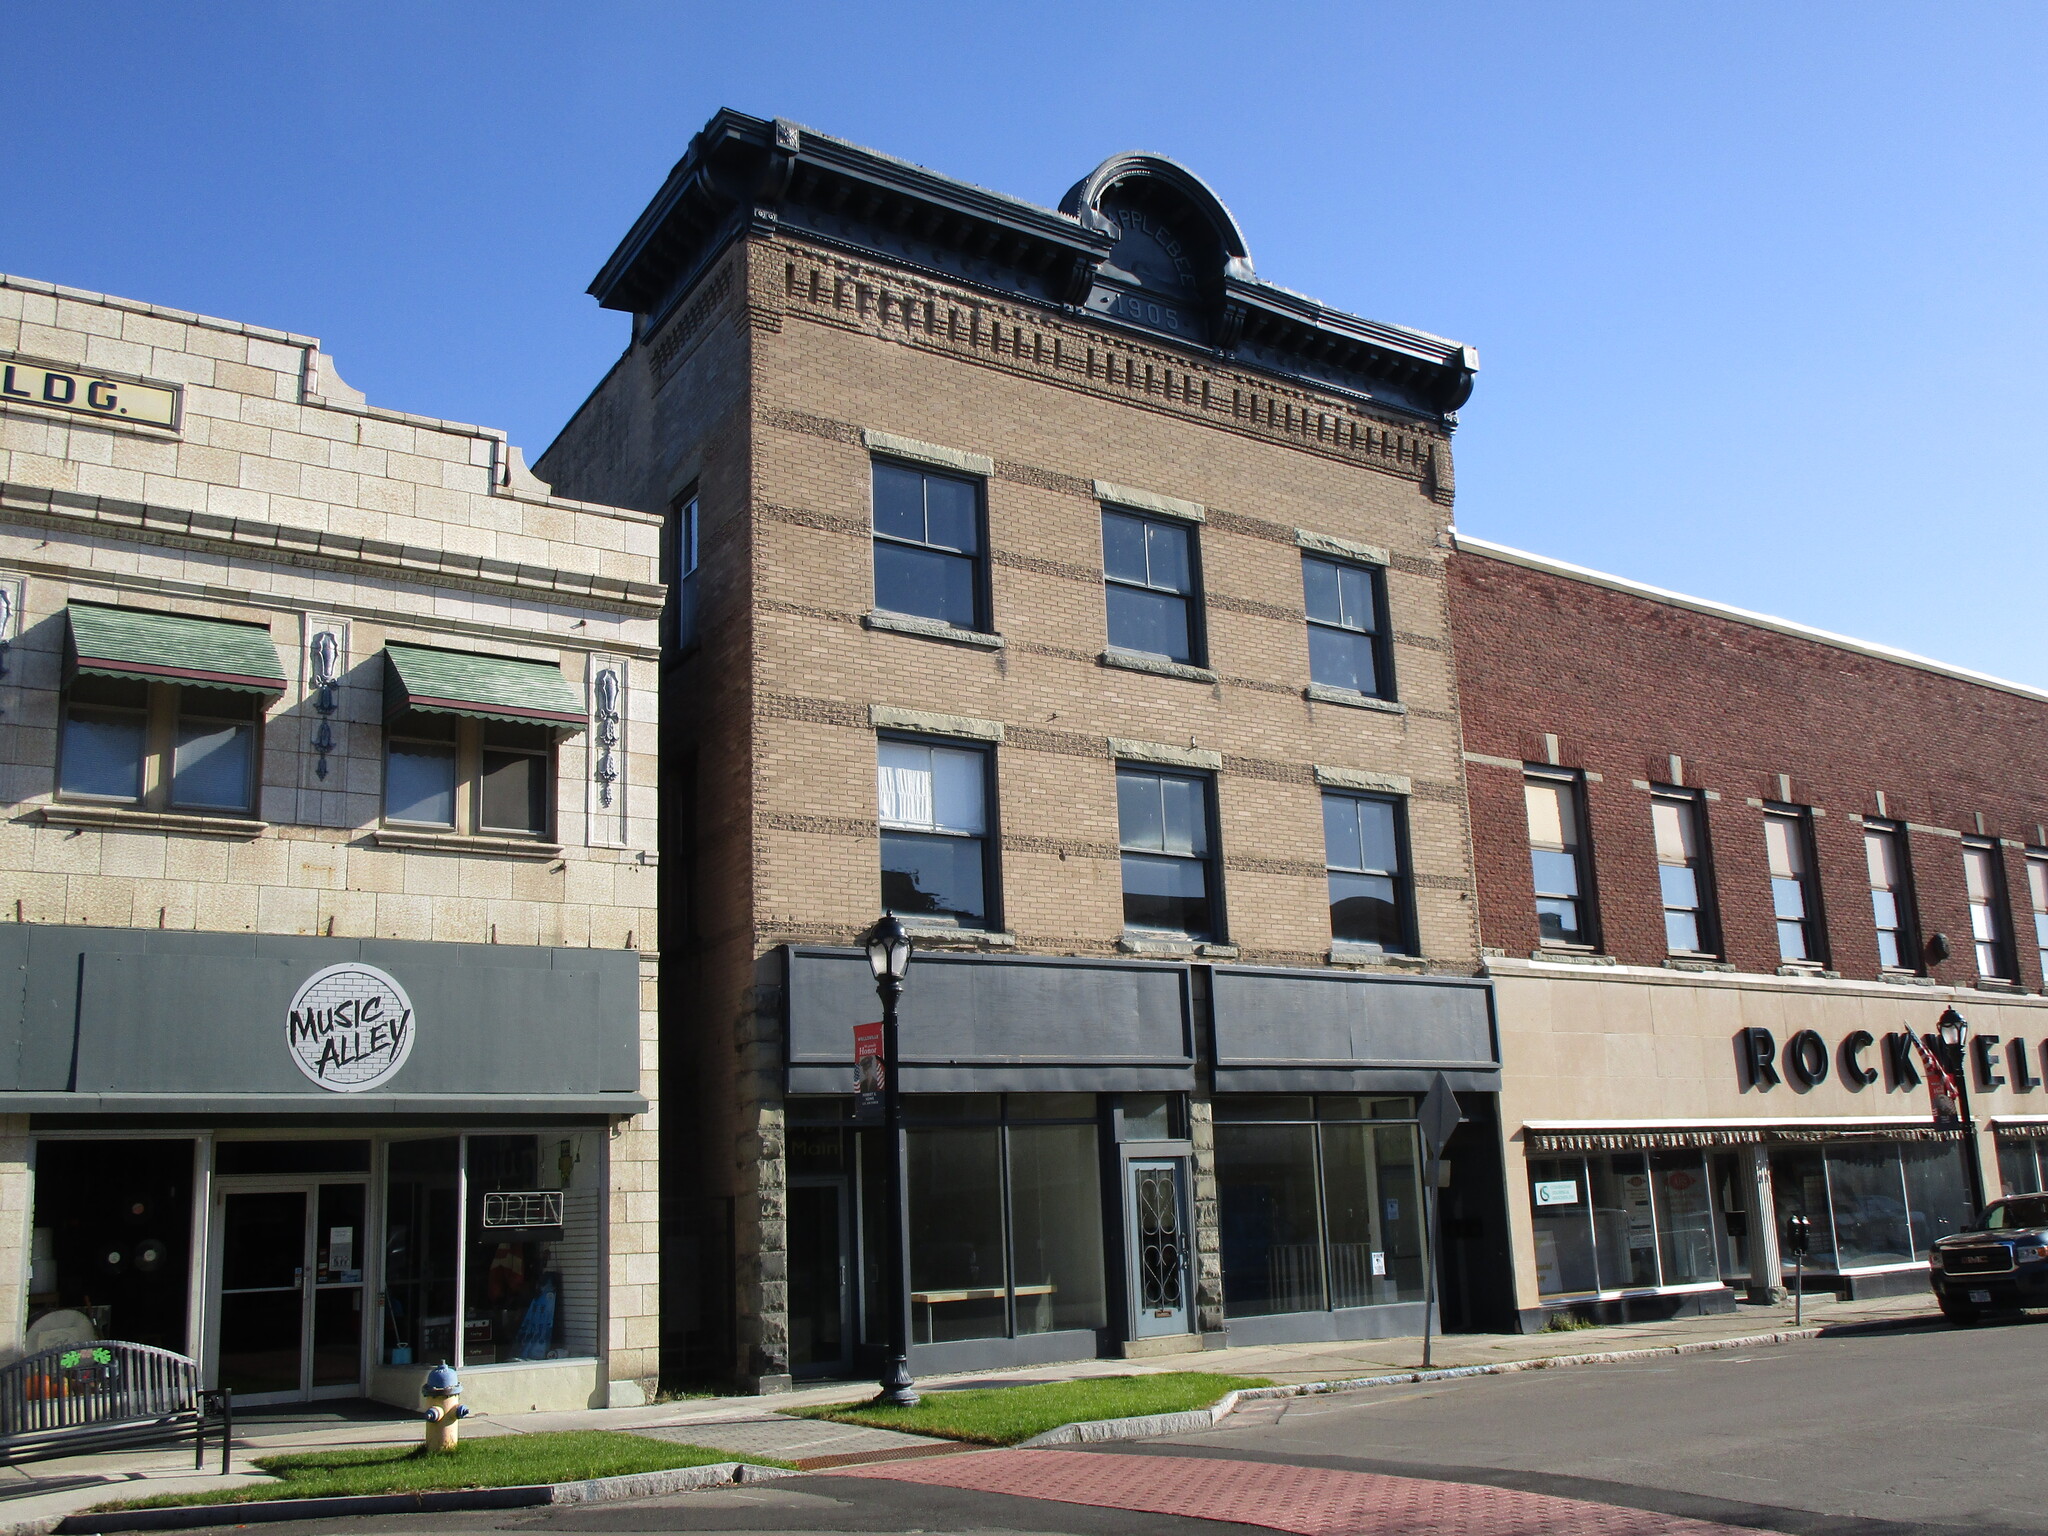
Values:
[(1577, 956), (1697, 963), (1175, 949), (939, 936), (457, 842), (1357, 957), (928, 629), (1905, 979), (1158, 666), (1323, 693), (126, 819), (1810, 972), (1996, 984)]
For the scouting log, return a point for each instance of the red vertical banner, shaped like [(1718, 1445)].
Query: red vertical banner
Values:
[(1941, 1084), (867, 1071)]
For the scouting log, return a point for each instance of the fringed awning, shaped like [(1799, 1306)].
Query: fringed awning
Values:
[(1622, 1139), (1638, 1141)]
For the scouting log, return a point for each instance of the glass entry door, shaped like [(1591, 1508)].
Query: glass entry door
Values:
[(820, 1297), (1156, 1201), (289, 1278)]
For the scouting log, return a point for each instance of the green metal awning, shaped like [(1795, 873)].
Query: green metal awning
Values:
[(172, 647), (480, 687)]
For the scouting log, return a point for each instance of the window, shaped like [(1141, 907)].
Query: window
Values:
[(1622, 1221), (2037, 890), (1985, 877), (1319, 1201), (1557, 859), (1790, 853), (1872, 1204), (1149, 566), (928, 545), (1369, 903), (1884, 850), (159, 745), (934, 816), (1163, 829), (462, 775), (1682, 873), (682, 569), (1345, 647)]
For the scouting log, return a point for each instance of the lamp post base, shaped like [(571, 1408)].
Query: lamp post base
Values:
[(898, 1389)]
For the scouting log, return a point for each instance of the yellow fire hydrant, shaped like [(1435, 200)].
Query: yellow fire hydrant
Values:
[(445, 1393)]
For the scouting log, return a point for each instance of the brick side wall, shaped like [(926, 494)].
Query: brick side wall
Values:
[(1625, 682)]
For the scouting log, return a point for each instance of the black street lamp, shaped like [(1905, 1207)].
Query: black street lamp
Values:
[(889, 958), (1955, 1030)]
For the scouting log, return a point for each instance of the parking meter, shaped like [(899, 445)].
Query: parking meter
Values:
[(1799, 1235)]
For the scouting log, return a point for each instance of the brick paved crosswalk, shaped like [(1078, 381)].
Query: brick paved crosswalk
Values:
[(1309, 1501)]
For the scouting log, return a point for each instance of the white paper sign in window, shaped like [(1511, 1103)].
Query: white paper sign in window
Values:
[(930, 789)]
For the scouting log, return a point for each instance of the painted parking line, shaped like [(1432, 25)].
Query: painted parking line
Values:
[(1309, 1501)]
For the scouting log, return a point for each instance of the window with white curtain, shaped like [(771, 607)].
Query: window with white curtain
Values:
[(934, 813)]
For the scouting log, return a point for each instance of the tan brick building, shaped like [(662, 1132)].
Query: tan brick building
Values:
[(327, 877), (1051, 579)]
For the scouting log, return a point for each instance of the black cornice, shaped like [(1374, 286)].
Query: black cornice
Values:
[(743, 171)]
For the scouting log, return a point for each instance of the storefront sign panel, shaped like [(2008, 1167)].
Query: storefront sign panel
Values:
[(1557, 1191), (350, 1028)]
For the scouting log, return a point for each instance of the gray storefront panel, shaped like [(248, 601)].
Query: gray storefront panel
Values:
[(989, 1024), (1289, 1031), (112, 1019)]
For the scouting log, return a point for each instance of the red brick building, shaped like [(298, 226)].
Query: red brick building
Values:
[(1724, 862)]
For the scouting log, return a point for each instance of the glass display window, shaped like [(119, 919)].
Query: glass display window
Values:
[(1873, 1204), (1624, 1221)]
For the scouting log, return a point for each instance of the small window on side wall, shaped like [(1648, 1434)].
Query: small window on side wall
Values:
[(162, 746), (681, 572), (460, 775), (928, 545)]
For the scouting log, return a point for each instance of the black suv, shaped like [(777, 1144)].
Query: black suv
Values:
[(2001, 1262)]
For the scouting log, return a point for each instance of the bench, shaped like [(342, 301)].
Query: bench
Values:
[(103, 1395)]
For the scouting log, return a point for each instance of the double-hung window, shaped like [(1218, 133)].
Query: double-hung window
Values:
[(934, 812), (1682, 874), (1795, 904), (1150, 573), (928, 545), (1164, 834), (1557, 858), (159, 744), (2037, 889), (1985, 877), (1890, 896), (682, 565), (1345, 628), (489, 777), (1369, 901)]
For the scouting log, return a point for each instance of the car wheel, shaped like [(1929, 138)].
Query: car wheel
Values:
[(1961, 1313)]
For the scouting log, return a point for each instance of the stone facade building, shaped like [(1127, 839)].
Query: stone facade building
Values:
[(1053, 580), (327, 877)]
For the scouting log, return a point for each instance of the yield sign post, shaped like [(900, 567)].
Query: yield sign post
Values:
[(1440, 1116)]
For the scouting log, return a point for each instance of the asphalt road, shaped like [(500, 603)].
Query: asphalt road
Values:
[(1934, 1430)]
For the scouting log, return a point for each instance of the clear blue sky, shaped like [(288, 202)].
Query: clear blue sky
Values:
[(1759, 290)]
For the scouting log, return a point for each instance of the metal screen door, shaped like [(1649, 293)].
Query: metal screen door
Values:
[(1159, 1248)]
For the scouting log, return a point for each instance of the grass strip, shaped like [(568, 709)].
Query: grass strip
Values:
[(488, 1461), (1005, 1415)]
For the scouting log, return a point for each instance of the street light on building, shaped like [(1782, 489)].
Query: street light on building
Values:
[(1955, 1031), (888, 949)]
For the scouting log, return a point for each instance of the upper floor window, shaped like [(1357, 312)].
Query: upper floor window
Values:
[(1890, 897), (1557, 858), (1682, 873), (2037, 889), (1788, 845), (1369, 900), (928, 545), (1163, 831), (159, 745), (490, 777), (1345, 631), (1149, 569), (1985, 878), (682, 568), (934, 813)]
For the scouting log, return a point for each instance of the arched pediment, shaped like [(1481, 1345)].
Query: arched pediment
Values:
[(1174, 237)]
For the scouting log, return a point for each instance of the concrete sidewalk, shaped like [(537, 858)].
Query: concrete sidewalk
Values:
[(756, 1426)]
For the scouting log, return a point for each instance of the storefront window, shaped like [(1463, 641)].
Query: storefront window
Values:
[(2019, 1169), (531, 1277), (421, 1227), (1005, 1218), (1685, 1218), (1564, 1226), (1799, 1182), (1323, 1212), (1616, 1221), (1624, 1223), (1868, 1193), (1937, 1191), (110, 1254), (1872, 1203)]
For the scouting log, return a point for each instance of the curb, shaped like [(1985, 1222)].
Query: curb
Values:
[(1095, 1431), (600, 1490)]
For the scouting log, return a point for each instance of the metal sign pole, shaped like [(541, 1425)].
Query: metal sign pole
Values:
[(1440, 1117)]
